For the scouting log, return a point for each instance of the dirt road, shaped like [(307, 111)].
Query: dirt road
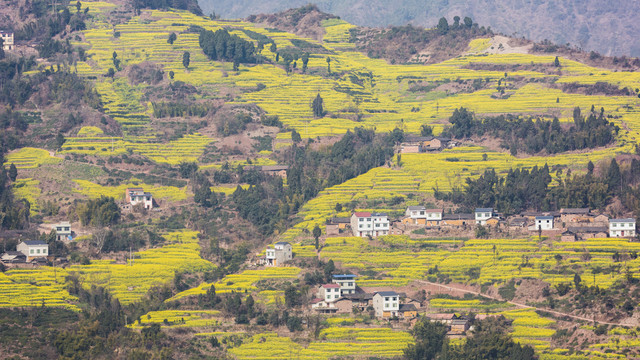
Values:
[(557, 313)]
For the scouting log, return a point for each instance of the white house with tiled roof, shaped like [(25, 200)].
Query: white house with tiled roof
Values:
[(329, 292)]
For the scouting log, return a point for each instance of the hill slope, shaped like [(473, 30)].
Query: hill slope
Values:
[(589, 24)]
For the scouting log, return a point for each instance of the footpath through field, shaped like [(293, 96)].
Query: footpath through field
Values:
[(453, 288)]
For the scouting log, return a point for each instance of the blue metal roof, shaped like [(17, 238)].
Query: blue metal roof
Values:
[(387, 293), (345, 276)]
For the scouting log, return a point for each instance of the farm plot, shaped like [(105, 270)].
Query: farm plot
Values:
[(372, 90), (44, 286), (30, 158), (245, 281), (28, 189), (178, 318), (130, 281), (92, 190), (477, 262), (186, 149), (334, 342)]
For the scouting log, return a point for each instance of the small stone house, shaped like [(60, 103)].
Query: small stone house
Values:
[(13, 257), (275, 170), (360, 300), (588, 232), (458, 220), (459, 326), (575, 215), (408, 311)]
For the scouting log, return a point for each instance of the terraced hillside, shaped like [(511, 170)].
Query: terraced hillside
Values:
[(200, 269)]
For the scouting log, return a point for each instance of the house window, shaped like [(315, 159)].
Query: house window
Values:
[(386, 299), (30, 251), (395, 298), (337, 296), (386, 305), (395, 305), (350, 284), (38, 251)]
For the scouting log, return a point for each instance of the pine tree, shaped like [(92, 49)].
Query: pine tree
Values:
[(186, 59), (172, 38), (13, 172), (614, 177), (318, 110)]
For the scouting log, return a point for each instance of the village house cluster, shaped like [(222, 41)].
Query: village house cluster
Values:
[(343, 296), (36, 252), (569, 223)]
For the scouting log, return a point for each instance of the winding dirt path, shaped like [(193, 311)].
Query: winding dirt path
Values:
[(453, 288)]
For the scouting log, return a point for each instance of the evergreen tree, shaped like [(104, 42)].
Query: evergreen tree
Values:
[(614, 177), (317, 108), (443, 26), (316, 234), (186, 59), (172, 38), (426, 130), (556, 62), (13, 172), (329, 65), (305, 61)]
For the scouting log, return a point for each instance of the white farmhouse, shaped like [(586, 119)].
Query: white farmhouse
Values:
[(482, 215), (417, 214), (7, 40), (135, 196), (543, 223), (329, 292), (622, 227), (386, 304), (347, 283), (33, 249), (280, 253), (63, 231), (369, 224)]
